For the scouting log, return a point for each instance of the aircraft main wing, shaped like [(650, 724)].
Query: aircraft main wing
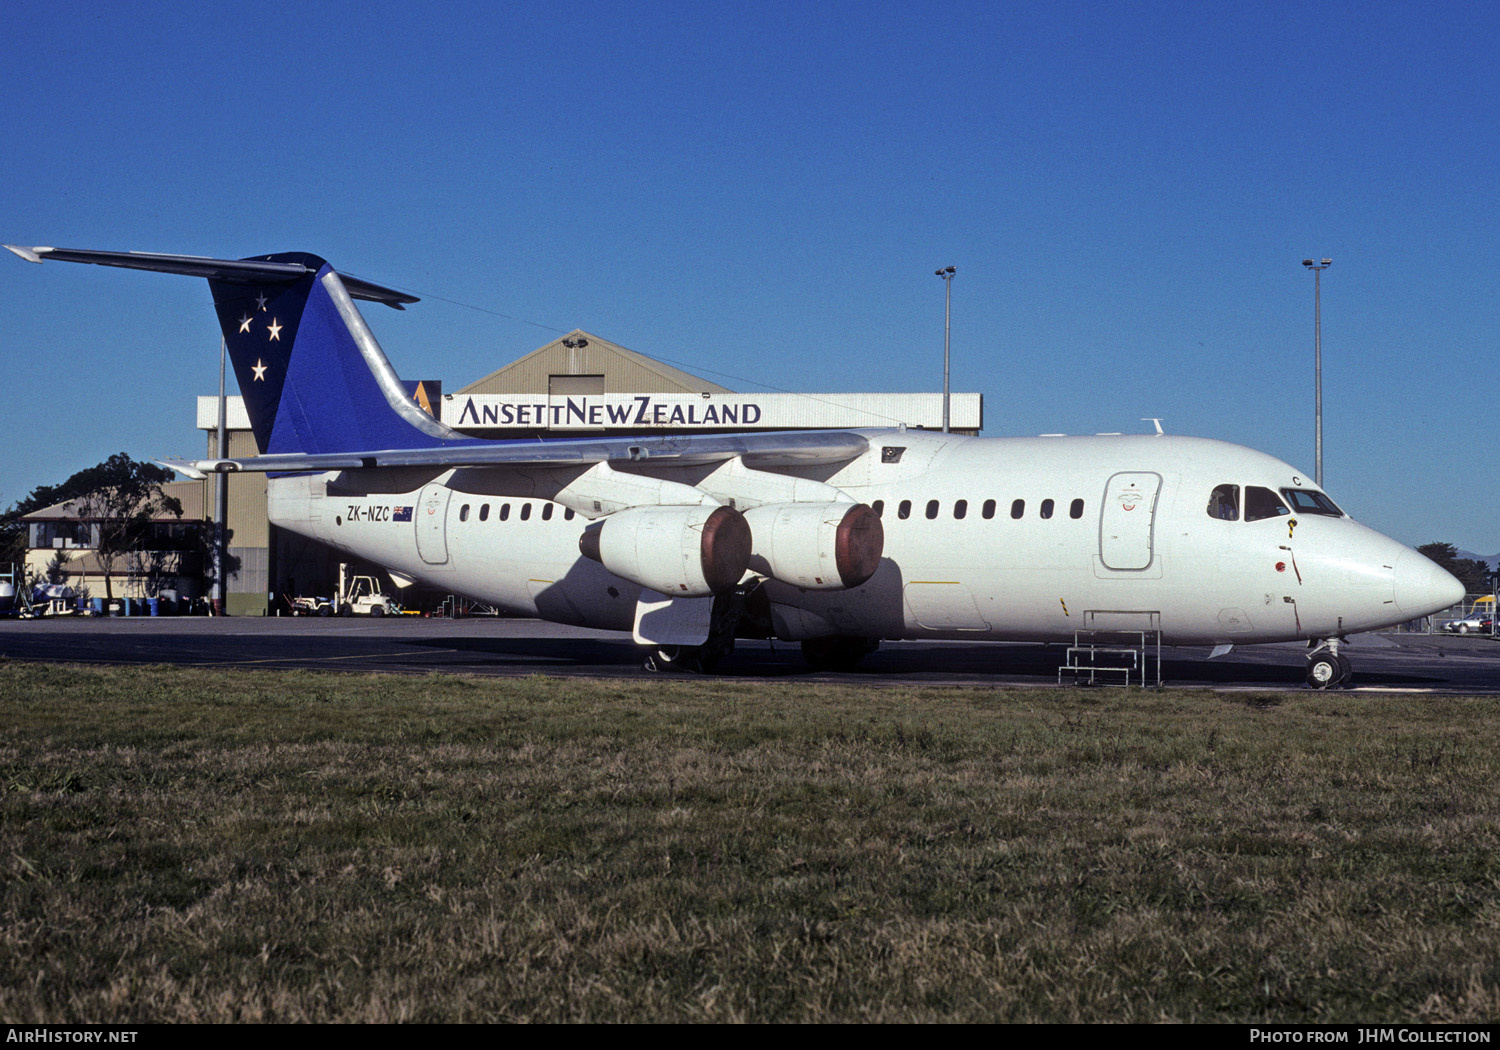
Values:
[(772, 449)]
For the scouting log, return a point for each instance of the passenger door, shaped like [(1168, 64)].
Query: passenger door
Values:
[(432, 524), (1127, 521)]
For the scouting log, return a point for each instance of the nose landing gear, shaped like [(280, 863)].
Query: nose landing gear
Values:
[(1327, 668)]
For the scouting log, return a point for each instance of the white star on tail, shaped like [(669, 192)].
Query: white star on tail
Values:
[(244, 324), (275, 330), (259, 369)]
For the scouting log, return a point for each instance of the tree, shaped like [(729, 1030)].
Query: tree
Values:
[(121, 499), (117, 500)]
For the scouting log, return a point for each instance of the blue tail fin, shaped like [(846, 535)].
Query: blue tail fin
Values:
[(313, 378), (312, 375)]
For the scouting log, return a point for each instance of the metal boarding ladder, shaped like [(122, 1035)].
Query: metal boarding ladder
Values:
[(1124, 642)]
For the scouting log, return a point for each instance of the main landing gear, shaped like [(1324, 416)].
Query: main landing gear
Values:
[(728, 613), (1327, 668)]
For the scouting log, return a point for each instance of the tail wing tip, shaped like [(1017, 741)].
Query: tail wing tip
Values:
[(29, 254)]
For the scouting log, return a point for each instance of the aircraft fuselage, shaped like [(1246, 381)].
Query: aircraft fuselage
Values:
[(984, 538)]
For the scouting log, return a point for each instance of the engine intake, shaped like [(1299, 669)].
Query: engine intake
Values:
[(816, 546), (686, 551)]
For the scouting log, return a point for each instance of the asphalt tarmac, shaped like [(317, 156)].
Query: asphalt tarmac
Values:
[(1387, 662)]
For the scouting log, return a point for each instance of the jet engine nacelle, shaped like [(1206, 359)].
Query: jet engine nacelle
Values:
[(683, 551), (816, 546)]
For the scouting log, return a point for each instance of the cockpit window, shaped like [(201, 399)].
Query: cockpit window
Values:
[(1262, 503), (1305, 501), (1224, 503)]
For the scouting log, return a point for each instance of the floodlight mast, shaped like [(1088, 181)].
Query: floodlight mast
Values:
[(946, 273), (1317, 268)]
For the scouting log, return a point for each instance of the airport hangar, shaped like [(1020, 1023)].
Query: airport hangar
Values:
[(575, 386)]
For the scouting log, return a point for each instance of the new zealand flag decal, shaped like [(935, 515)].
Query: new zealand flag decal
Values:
[(402, 514)]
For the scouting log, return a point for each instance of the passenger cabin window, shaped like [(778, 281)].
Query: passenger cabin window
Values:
[(1262, 503), (504, 511), (568, 514), (484, 512), (1224, 503), (1305, 501), (989, 508), (1018, 508), (1076, 510), (526, 512), (904, 510), (546, 512), (1046, 508), (960, 508), (463, 513), (879, 508), (932, 509)]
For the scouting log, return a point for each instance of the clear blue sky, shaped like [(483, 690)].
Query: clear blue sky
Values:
[(761, 192)]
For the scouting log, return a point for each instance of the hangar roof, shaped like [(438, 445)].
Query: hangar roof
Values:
[(582, 353)]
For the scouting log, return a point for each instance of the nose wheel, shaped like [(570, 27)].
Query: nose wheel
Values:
[(1327, 668)]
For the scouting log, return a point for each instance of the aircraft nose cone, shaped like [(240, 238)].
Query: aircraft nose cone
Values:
[(1423, 587)]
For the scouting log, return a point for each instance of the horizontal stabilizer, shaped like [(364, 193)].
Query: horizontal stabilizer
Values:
[(186, 469), (234, 271)]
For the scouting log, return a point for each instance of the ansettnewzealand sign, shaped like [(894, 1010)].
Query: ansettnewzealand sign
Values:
[(716, 411)]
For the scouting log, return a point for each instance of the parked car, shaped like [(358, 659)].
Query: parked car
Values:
[(1470, 625)]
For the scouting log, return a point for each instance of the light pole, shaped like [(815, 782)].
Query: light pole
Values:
[(946, 273), (221, 498), (1317, 269)]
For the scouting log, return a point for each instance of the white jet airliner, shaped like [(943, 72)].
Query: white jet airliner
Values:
[(835, 539)]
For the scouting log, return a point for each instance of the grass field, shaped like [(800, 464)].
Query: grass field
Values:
[(189, 845)]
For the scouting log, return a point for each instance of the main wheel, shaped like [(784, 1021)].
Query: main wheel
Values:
[(688, 658)]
